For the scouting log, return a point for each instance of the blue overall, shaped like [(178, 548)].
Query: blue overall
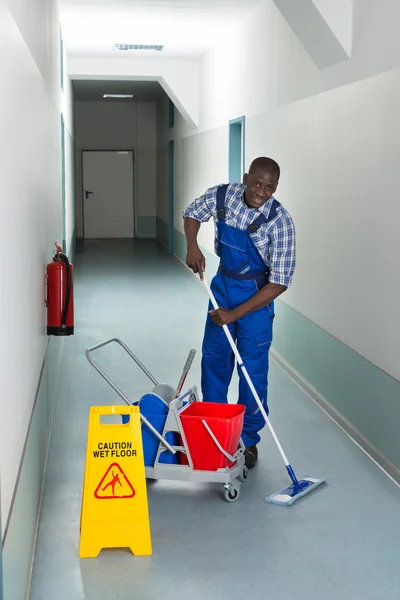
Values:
[(242, 273)]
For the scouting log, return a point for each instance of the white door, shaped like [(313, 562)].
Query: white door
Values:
[(108, 205)]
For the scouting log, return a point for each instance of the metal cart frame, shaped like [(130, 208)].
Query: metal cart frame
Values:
[(230, 477)]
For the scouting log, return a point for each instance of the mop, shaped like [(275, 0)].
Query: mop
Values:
[(297, 489)]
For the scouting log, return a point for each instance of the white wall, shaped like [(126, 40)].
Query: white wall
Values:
[(178, 78), (30, 195), (119, 126), (68, 116), (334, 134), (263, 65)]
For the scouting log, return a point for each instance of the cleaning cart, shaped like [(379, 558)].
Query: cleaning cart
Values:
[(185, 439)]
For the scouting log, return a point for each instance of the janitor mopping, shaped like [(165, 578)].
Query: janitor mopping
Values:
[(255, 240)]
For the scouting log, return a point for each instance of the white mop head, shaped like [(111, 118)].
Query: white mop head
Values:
[(287, 496)]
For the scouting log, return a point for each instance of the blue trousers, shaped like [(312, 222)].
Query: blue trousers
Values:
[(253, 336)]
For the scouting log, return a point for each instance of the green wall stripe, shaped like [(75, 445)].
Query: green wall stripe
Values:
[(1, 567), (162, 232), (363, 394), (21, 532), (147, 227)]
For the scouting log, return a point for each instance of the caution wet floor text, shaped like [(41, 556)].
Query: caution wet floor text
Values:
[(114, 502)]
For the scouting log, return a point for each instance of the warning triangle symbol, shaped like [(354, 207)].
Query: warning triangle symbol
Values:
[(114, 485)]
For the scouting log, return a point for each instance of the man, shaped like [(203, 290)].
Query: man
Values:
[(255, 240)]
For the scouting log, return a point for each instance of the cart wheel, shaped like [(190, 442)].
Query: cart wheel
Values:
[(232, 494), (244, 474)]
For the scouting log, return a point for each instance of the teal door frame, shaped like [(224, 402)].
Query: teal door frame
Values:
[(236, 149), (63, 199), (171, 196)]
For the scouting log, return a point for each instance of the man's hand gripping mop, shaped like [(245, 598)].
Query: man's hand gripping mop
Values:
[(297, 489)]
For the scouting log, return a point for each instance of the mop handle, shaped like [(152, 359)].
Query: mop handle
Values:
[(185, 372), (245, 373)]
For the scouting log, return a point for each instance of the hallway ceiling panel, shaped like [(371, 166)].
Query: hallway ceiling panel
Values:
[(185, 28)]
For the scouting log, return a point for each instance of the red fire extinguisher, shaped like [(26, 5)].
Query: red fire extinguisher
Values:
[(60, 295)]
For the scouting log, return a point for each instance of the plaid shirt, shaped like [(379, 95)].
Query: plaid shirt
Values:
[(275, 240)]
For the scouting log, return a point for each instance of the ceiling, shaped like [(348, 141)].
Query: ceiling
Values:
[(186, 28), (143, 91)]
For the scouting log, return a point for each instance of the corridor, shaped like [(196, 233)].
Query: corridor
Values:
[(341, 541)]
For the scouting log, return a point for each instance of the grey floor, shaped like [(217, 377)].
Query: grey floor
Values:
[(341, 541)]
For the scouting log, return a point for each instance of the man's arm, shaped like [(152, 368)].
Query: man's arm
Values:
[(194, 258), (200, 211), (282, 265), (266, 295)]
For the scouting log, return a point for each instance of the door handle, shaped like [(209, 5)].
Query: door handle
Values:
[(87, 194)]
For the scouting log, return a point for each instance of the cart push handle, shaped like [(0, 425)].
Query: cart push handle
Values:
[(120, 392), (128, 351)]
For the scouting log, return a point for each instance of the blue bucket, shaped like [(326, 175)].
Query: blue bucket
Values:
[(155, 410)]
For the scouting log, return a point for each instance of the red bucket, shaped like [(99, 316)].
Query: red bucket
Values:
[(226, 423)]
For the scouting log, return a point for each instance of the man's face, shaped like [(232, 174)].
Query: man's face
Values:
[(260, 186)]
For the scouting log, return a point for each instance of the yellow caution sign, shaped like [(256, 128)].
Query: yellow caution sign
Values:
[(114, 503)]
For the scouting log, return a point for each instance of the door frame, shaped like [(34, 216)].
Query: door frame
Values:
[(134, 190), (236, 127)]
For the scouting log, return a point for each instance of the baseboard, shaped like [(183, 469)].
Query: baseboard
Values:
[(381, 461), (52, 405), (22, 527), (163, 233), (146, 227)]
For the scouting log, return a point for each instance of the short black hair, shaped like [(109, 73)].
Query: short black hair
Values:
[(268, 165)]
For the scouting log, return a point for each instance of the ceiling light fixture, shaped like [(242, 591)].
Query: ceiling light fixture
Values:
[(156, 48), (117, 95)]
